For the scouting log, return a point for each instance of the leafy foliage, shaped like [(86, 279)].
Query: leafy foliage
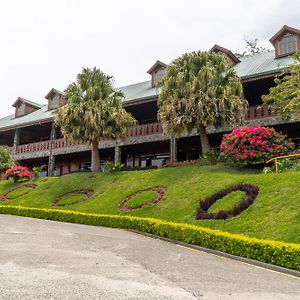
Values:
[(113, 167), (6, 159), (252, 48), (18, 173), (200, 89), (211, 157), (251, 145), (37, 170), (284, 165), (278, 253), (93, 111), (285, 96)]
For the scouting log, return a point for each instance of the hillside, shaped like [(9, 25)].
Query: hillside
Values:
[(274, 215)]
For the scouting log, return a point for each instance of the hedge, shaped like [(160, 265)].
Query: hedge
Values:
[(273, 252)]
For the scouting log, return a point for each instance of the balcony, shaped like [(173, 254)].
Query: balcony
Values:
[(136, 134)]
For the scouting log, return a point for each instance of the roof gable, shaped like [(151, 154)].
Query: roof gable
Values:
[(217, 48), (159, 64), (283, 30), (28, 102)]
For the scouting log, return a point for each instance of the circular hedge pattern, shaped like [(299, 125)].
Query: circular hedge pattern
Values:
[(250, 190), (159, 190), (85, 192), (29, 186)]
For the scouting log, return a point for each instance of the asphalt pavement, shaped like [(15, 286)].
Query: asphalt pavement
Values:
[(42, 259)]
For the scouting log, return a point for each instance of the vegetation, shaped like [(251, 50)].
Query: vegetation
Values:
[(252, 145), (18, 173), (200, 89), (93, 111), (285, 96), (279, 253), (252, 48), (37, 170), (274, 215), (284, 165), (6, 159)]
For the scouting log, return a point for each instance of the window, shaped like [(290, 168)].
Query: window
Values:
[(21, 109), (159, 74), (287, 44), (54, 102)]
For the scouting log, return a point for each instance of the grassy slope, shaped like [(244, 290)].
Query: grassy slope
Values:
[(275, 214)]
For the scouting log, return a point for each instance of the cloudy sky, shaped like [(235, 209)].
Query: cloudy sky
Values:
[(44, 44)]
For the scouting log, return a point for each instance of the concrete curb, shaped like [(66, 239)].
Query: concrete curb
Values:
[(223, 254)]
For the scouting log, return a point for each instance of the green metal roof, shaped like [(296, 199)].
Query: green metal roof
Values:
[(262, 64), (249, 67), (139, 91)]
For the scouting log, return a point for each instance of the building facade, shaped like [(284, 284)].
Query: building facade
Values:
[(34, 140)]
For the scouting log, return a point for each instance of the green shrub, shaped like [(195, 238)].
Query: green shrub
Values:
[(112, 167), (211, 157), (273, 252), (284, 165), (37, 170)]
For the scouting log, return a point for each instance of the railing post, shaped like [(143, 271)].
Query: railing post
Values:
[(276, 166), (51, 162)]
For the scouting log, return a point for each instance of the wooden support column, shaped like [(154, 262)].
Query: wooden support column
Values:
[(51, 162), (117, 158), (173, 149), (16, 140)]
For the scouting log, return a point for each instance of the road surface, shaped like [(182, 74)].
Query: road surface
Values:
[(42, 259)]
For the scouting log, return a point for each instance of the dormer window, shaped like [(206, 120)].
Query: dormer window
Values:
[(24, 107), (287, 44), (226, 53), (20, 109), (157, 72), (286, 41), (55, 99)]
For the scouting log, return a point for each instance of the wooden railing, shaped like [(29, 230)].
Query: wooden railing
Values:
[(259, 112), (254, 112)]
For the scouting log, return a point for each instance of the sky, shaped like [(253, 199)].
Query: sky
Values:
[(44, 44)]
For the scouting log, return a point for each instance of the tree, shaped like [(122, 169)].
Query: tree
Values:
[(93, 111), (6, 159), (200, 89), (252, 48), (285, 96)]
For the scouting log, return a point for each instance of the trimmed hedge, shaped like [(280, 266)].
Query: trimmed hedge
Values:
[(273, 252)]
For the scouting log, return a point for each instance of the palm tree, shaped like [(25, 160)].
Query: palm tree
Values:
[(93, 111), (200, 89)]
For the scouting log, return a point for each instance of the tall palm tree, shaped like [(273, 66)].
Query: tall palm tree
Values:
[(93, 111), (200, 89)]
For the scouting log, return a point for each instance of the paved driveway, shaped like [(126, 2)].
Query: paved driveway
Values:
[(51, 260)]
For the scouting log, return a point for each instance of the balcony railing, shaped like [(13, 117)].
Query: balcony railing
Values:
[(254, 113), (259, 112)]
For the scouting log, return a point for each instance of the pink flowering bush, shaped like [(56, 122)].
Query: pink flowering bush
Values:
[(18, 173), (252, 145)]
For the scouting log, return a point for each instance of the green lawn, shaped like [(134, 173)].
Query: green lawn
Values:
[(274, 215)]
